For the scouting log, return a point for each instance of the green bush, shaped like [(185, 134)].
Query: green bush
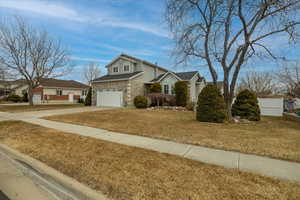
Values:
[(159, 99), (181, 93), (140, 102), (25, 97), (88, 98), (211, 106), (14, 98), (246, 106), (155, 88), (190, 105)]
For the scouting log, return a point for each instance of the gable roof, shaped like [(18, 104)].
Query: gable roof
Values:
[(184, 76), (116, 77), (137, 60), (51, 82)]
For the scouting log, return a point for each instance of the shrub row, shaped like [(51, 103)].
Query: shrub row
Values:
[(211, 105)]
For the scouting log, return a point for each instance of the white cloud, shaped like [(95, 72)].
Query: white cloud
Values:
[(141, 52), (89, 59), (63, 11)]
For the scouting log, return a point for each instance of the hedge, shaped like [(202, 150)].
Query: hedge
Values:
[(246, 106), (181, 93), (211, 105)]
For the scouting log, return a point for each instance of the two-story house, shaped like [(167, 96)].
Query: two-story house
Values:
[(129, 77)]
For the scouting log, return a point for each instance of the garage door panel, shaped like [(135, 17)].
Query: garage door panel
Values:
[(110, 98)]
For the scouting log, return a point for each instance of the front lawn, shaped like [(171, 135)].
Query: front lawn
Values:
[(124, 172), (272, 137), (27, 108)]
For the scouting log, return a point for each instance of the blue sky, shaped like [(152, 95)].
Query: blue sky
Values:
[(100, 30)]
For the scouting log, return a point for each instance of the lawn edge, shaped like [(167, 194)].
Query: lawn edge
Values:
[(77, 188), (176, 141)]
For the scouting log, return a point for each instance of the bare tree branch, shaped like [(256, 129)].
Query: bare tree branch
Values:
[(227, 34), (31, 53), (91, 72)]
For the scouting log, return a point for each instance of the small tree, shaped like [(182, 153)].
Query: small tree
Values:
[(246, 106), (181, 92), (211, 105), (25, 97), (88, 98), (91, 72), (155, 88)]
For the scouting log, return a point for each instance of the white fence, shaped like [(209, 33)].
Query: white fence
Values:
[(271, 106)]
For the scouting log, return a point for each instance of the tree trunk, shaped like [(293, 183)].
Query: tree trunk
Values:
[(228, 104), (30, 95), (227, 95)]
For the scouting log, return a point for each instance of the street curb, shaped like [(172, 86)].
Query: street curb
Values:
[(77, 189)]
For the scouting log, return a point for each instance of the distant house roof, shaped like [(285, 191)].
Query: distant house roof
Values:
[(136, 59), (116, 77), (51, 82)]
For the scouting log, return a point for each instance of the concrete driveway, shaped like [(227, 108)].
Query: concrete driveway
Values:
[(47, 113)]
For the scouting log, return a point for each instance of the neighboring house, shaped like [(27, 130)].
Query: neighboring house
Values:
[(54, 91), (129, 77), (7, 87)]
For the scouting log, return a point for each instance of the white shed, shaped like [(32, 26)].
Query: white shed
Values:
[(271, 106)]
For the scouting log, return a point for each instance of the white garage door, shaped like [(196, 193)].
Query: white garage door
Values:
[(271, 106), (110, 98), (36, 99)]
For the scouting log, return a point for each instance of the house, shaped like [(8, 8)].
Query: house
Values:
[(51, 90), (128, 77), (7, 87)]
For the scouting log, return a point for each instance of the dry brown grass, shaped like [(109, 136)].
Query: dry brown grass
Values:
[(27, 108), (124, 172), (273, 137)]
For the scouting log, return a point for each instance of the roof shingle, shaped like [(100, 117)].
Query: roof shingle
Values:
[(116, 76)]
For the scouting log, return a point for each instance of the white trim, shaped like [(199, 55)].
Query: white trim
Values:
[(195, 75), (169, 72)]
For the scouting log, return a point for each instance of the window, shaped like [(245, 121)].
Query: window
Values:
[(126, 68), (116, 69), (166, 89), (59, 92), (83, 92), (173, 90)]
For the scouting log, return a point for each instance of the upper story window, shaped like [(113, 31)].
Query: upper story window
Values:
[(116, 69), (166, 89), (59, 92), (126, 68)]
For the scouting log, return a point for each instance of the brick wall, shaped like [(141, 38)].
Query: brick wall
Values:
[(137, 88)]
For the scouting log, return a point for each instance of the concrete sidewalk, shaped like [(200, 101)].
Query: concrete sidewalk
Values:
[(258, 164), (46, 113)]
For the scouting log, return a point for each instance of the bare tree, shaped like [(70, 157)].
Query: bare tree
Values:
[(262, 83), (91, 71), (31, 53), (227, 33), (289, 77)]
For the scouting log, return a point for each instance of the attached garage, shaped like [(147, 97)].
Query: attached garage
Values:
[(110, 98)]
